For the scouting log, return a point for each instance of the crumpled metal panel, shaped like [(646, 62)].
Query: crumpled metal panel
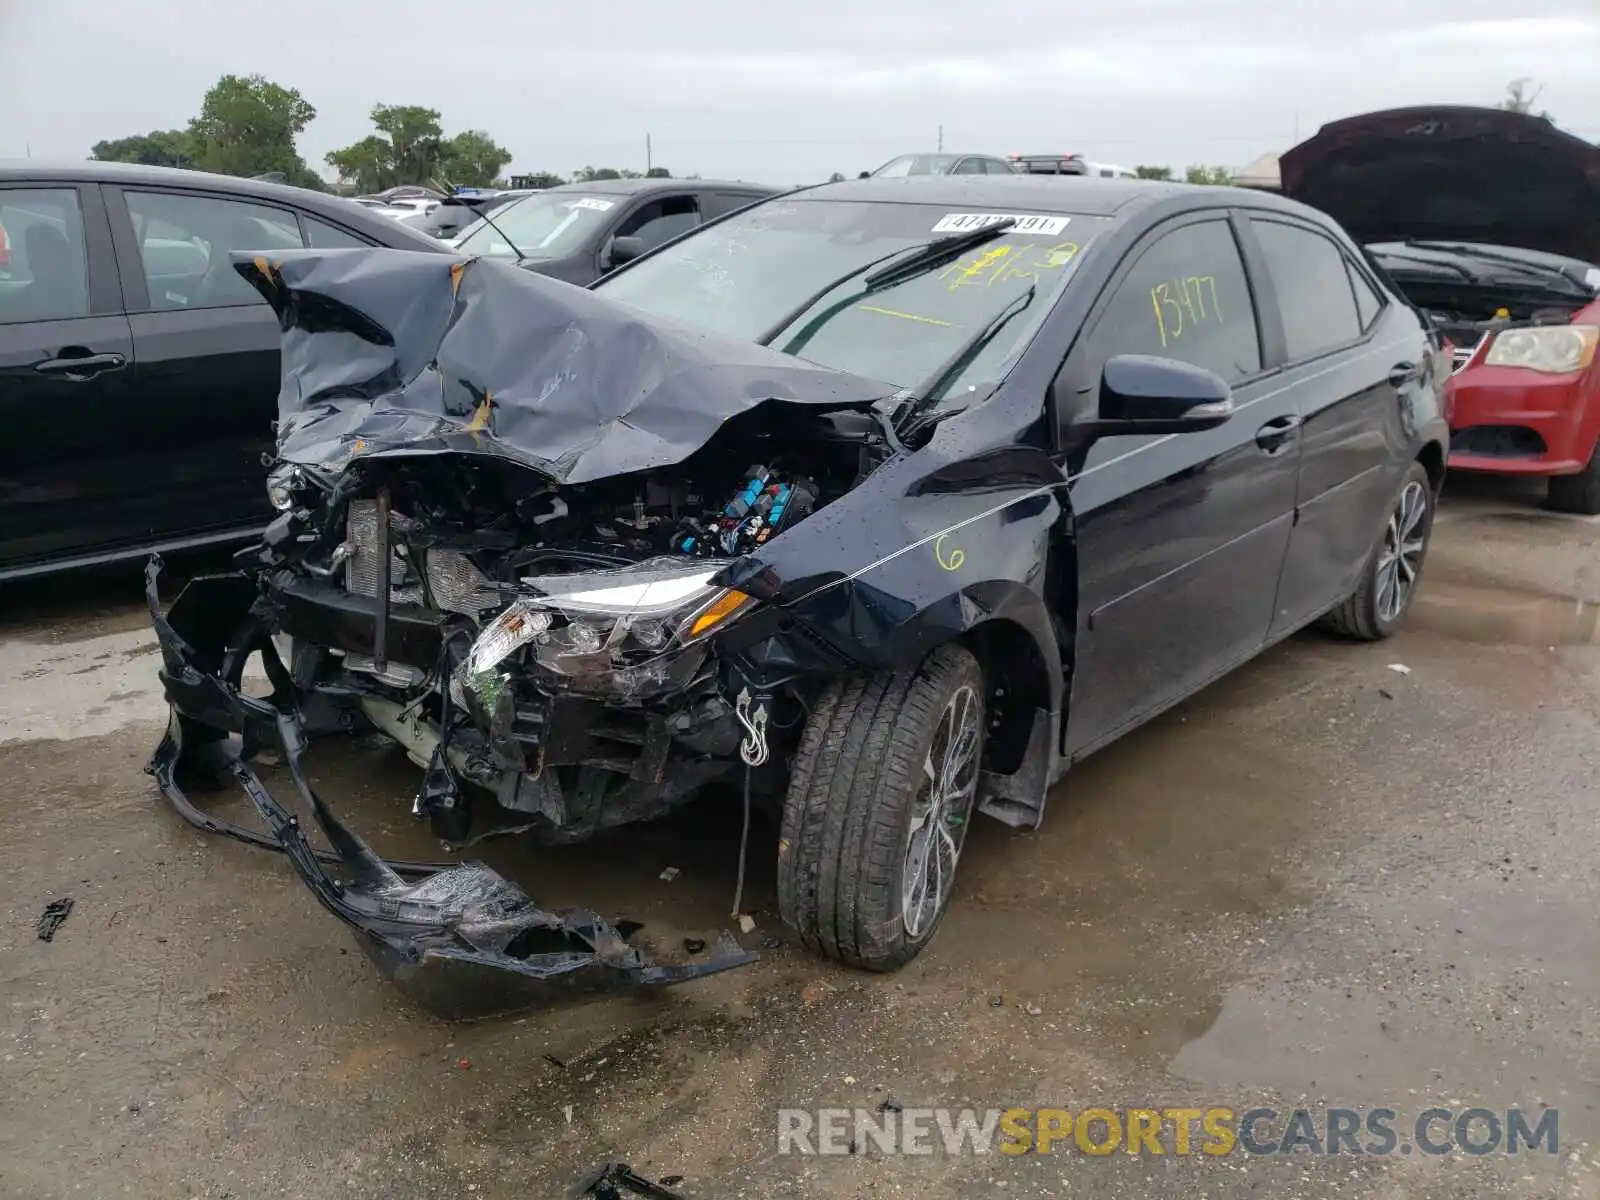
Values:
[(390, 350)]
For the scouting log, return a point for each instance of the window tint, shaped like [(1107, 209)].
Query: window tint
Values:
[(1368, 302), (1313, 285), (185, 241), (44, 272), (969, 166), (321, 236), (661, 221), (993, 166), (1186, 298)]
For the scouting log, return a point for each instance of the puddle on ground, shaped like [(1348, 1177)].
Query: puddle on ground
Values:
[(1477, 613)]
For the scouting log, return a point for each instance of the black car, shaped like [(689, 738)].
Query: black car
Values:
[(138, 372), (579, 231), (885, 501)]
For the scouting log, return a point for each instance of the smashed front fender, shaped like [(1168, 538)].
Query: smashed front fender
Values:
[(460, 940)]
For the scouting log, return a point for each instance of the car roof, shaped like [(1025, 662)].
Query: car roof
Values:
[(1075, 195), (633, 186), (336, 208)]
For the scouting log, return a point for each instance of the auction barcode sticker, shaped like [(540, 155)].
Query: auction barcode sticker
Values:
[(1040, 224)]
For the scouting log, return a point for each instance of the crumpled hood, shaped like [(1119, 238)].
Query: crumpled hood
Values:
[(1453, 174), (392, 351)]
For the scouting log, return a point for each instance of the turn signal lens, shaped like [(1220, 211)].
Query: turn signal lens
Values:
[(718, 611)]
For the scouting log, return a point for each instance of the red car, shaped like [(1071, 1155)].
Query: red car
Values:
[(1489, 221)]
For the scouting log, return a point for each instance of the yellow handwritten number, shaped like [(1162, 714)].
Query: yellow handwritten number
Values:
[(956, 557)]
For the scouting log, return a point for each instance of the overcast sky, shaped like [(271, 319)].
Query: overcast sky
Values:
[(788, 93)]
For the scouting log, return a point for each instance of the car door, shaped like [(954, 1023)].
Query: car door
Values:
[(1346, 376), (71, 478), (206, 347), (1180, 539)]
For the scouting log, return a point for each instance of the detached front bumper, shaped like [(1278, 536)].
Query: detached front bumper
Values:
[(459, 939)]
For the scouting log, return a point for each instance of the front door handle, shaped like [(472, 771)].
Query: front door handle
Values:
[(1277, 433), (80, 367)]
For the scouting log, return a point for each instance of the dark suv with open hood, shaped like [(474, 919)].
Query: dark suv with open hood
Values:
[(884, 501), (1489, 221)]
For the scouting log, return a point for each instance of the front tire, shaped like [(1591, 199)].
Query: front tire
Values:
[(1578, 493), (1380, 602), (880, 796)]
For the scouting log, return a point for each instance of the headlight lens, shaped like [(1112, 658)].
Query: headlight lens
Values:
[(1552, 349), (609, 621), (282, 482)]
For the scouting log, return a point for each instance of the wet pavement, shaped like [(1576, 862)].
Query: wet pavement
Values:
[(1323, 881)]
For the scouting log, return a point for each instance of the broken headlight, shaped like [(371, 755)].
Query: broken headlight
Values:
[(283, 481), (609, 621), (1552, 349)]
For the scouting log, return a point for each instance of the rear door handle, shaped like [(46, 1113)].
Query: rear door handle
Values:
[(1404, 374), (82, 367), (1277, 433)]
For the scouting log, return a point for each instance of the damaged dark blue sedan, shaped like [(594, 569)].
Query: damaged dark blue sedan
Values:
[(885, 500)]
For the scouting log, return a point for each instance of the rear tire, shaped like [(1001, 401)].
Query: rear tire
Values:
[(1578, 493), (1383, 597), (880, 796)]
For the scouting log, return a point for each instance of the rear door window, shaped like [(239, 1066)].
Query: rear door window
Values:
[(1312, 280), (44, 269), (322, 236), (185, 241)]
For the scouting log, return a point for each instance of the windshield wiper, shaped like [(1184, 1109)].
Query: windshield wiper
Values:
[(927, 394), (922, 257), (1442, 264), (1533, 268)]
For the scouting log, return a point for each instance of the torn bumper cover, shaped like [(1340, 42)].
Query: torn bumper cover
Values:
[(458, 939)]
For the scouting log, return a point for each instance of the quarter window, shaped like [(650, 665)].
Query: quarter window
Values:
[(44, 272), (1185, 298), (1312, 280), (185, 242), (1368, 302), (321, 236)]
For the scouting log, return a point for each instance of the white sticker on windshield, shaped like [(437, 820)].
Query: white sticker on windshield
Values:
[(1592, 278), (1037, 224), (591, 202)]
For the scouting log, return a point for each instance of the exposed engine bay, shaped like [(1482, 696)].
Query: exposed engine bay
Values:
[(497, 654)]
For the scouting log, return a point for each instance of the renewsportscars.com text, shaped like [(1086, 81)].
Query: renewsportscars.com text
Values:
[(1179, 1132)]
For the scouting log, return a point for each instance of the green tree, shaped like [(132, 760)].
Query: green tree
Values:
[(836, 177), (471, 159), (591, 174), (415, 138), (1153, 172), (658, 173), (1521, 95), (158, 148), (1197, 173), (248, 126), (369, 164)]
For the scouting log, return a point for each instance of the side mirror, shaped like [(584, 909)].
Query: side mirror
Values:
[(1142, 393), (623, 250)]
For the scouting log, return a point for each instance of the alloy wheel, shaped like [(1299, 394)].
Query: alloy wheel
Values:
[(940, 813), (1404, 539)]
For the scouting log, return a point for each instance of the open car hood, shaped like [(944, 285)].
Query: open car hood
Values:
[(1454, 174), (393, 351)]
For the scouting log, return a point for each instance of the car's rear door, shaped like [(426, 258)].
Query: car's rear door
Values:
[(1347, 364), (72, 476), (206, 345), (1180, 539)]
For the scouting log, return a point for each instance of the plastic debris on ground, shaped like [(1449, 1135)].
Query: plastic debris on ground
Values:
[(51, 919)]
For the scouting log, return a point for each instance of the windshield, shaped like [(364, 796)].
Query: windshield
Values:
[(917, 164), (742, 276), (547, 225)]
